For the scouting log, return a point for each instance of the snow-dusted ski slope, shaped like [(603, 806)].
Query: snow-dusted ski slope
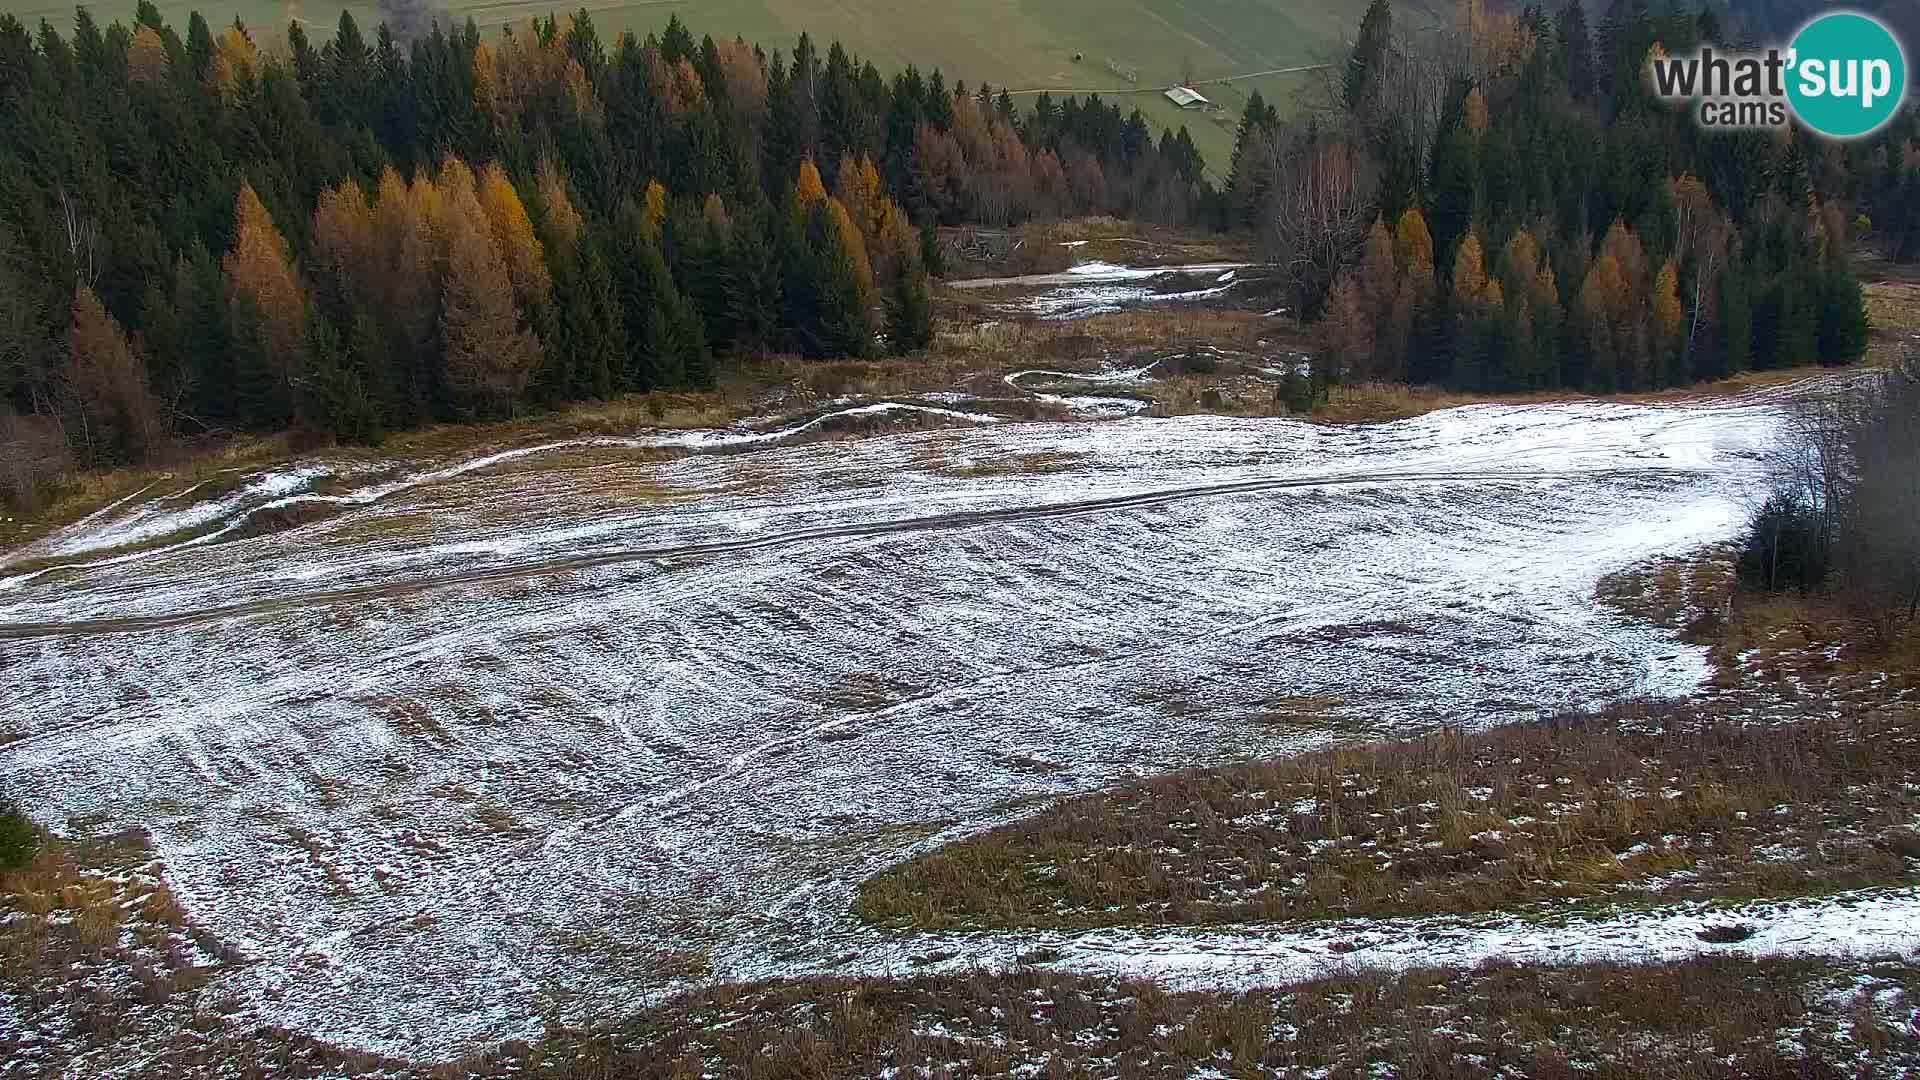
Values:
[(541, 737)]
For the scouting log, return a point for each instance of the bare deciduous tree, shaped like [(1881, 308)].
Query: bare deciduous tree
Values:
[(83, 240), (1851, 466), (1319, 210), (33, 457), (1878, 553)]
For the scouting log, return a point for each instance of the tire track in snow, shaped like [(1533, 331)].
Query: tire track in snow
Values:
[(964, 519)]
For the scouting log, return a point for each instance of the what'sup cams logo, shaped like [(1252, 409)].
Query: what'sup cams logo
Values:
[(1843, 76)]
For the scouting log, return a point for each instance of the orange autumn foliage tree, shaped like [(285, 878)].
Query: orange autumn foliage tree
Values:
[(1667, 315), (653, 208), (408, 307), (1348, 331), (513, 234), (234, 59), (347, 252), (147, 61), (1475, 292), (557, 214), (260, 266), (807, 187), (1414, 289), (1613, 306), (108, 400), (489, 357), (714, 210)]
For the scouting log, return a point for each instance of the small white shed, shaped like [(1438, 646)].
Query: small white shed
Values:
[(1186, 97)]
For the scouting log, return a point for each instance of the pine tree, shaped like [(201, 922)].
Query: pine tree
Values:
[(827, 310), (910, 313), (1454, 193), (164, 344), (1376, 36), (592, 328), (754, 301), (932, 257), (1250, 176), (199, 45), (1574, 49), (1844, 330), (1736, 323), (695, 357), (648, 299), (260, 399), (209, 339), (333, 393)]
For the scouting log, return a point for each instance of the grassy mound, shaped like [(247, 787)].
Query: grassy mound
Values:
[(1642, 803)]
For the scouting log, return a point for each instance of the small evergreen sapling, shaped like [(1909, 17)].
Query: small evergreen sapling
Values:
[(18, 838)]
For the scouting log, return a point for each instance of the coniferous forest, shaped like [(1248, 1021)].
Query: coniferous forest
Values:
[(1503, 205), (209, 231), (213, 232)]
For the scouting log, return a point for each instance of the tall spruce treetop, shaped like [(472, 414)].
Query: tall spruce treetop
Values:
[(1257, 115), (199, 44), (1574, 46), (1376, 34)]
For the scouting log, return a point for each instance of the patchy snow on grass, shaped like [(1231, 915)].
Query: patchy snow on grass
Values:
[(478, 747)]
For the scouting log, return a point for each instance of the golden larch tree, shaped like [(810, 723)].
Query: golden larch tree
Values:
[(110, 406), (454, 180), (490, 91), (653, 208), (1519, 261), (1474, 112), (1413, 255), (807, 187), (1376, 261), (746, 80), (1348, 330), (513, 233), (260, 266), (897, 248), (1667, 312), (940, 171), (1616, 331), (488, 357), (1628, 255), (851, 242), (408, 235), (563, 223), (1474, 290), (347, 253), (858, 188), (147, 59), (715, 211), (234, 57)]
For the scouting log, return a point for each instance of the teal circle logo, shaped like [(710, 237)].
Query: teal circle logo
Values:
[(1847, 75)]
